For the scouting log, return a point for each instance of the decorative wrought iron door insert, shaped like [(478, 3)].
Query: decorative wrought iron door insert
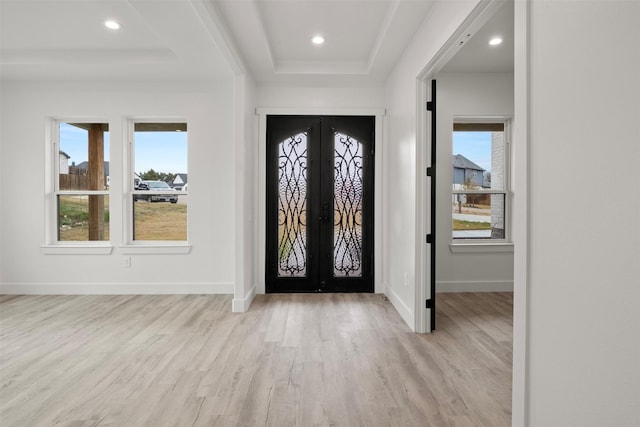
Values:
[(319, 204)]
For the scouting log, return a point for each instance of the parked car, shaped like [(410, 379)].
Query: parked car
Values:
[(159, 187)]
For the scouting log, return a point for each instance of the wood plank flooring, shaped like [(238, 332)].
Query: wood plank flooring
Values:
[(292, 360)]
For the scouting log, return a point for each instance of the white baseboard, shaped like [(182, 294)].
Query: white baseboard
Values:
[(241, 305), (475, 286), (405, 312), (114, 288)]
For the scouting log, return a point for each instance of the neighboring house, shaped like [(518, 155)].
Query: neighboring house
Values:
[(180, 182), (85, 166), (465, 171), (64, 162)]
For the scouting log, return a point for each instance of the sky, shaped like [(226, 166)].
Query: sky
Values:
[(167, 151), (161, 151), (475, 146), (74, 142)]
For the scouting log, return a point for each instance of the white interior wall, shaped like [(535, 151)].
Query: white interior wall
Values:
[(245, 173), (208, 268), (4, 178), (584, 256), (400, 152), (468, 95), (320, 97)]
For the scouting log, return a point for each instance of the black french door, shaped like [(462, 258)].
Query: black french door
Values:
[(319, 230)]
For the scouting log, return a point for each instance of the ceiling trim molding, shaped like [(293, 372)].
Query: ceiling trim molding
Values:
[(322, 67), (388, 19), (220, 34), (87, 56), (265, 35)]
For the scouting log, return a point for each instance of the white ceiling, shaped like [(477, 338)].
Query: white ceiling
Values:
[(66, 39), (478, 56), (209, 39), (364, 38)]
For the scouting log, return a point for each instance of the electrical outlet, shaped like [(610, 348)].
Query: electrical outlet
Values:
[(126, 262)]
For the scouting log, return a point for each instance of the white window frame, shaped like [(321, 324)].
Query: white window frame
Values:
[(131, 246), (51, 245), (489, 245)]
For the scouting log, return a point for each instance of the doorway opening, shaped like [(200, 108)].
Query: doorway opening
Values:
[(320, 204), (474, 83)]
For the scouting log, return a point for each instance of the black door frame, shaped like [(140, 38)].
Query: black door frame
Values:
[(431, 302), (321, 129)]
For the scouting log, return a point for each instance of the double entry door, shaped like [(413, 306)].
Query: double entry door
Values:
[(319, 230)]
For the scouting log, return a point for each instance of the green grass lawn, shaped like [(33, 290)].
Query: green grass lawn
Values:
[(459, 224), (73, 218)]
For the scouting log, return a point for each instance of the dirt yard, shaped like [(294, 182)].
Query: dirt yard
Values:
[(153, 221)]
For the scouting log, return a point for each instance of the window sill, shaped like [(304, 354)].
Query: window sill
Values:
[(506, 247), (77, 249), (155, 248)]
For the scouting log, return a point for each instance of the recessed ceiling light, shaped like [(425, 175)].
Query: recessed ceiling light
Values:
[(112, 25), (495, 41), (317, 40)]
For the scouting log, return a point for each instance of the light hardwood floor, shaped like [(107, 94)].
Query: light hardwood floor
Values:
[(292, 360)]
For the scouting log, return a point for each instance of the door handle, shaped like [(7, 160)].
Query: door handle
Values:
[(324, 215)]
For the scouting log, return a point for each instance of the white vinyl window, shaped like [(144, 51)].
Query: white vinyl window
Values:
[(480, 194), (158, 183), (80, 165)]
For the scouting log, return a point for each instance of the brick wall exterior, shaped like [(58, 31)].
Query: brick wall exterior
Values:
[(497, 183)]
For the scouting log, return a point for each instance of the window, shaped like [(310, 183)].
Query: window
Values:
[(159, 182), (480, 181), (81, 190)]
